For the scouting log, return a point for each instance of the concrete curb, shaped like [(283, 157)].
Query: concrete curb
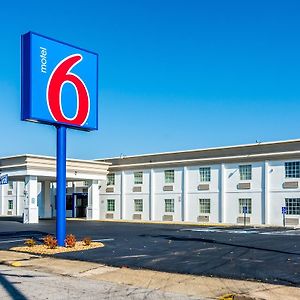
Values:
[(225, 225)]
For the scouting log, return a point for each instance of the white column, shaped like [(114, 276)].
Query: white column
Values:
[(152, 196), (265, 196), (184, 204), (74, 200), (222, 192), (122, 197), (31, 214), (1, 200), (19, 198), (93, 201), (46, 199)]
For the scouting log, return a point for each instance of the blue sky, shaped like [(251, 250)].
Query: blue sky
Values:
[(174, 75)]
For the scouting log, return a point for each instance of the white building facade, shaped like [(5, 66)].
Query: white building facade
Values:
[(215, 185), (232, 185)]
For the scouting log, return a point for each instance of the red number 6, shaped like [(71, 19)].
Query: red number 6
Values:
[(58, 78)]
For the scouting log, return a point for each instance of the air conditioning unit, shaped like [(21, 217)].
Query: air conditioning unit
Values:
[(291, 221), (109, 216), (240, 220), (290, 185), (110, 190), (203, 187), (167, 218), (137, 189), (203, 219), (137, 217), (168, 188)]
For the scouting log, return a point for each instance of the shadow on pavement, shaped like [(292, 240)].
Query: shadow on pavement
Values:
[(10, 289), (11, 219), (22, 234), (211, 241)]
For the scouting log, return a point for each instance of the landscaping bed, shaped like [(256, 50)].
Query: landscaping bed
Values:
[(43, 249), (50, 245)]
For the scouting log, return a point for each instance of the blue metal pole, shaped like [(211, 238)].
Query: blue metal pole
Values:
[(61, 185)]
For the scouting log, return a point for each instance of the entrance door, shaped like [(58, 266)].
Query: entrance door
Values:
[(81, 205)]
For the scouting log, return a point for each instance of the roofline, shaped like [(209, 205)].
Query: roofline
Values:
[(53, 157), (215, 160), (201, 149)]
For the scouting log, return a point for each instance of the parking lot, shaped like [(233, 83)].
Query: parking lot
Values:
[(265, 254)]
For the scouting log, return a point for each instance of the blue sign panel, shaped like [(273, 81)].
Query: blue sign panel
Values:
[(245, 210), (4, 179), (284, 210), (59, 83)]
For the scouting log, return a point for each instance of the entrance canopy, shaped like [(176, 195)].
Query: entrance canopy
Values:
[(44, 168)]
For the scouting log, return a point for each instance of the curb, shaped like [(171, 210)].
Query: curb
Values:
[(225, 225), (156, 222)]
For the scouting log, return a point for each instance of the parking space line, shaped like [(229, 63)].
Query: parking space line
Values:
[(245, 231), (103, 240), (11, 241), (206, 249), (134, 256)]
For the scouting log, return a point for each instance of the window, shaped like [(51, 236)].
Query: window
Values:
[(138, 205), (111, 179), (245, 202), (10, 204), (204, 205), (169, 176), (204, 174), (169, 205), (138, 177), (245, 172), (293, 206), (292, 169), (110, 205), (10, 185)]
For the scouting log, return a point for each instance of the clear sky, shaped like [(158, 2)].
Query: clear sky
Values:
[(174, 75)]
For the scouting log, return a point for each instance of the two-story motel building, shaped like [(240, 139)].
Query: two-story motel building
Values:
[(202, 186)]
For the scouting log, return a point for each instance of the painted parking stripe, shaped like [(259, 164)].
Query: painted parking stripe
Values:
[(289, 232), (133, 256), (203, 230), (246, 231), (11, 241), (103, 240), (206, 249)]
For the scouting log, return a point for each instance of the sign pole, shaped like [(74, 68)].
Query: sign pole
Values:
[(61, 185), (283, 211)]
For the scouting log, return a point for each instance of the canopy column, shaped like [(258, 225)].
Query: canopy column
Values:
[(31, 214), (93, 200)]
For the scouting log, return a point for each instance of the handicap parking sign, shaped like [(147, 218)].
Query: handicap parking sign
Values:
[(245, 209), (4, 179), (283, 210)]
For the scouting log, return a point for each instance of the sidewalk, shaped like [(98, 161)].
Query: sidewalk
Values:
[(196, 287)]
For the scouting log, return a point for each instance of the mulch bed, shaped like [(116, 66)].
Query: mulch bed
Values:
[(43, 249)]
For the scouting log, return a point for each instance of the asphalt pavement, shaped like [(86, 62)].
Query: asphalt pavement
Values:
[(264, 254)]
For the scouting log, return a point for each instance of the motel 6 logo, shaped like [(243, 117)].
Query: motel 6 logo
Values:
[(62, 74), (59, 83)]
